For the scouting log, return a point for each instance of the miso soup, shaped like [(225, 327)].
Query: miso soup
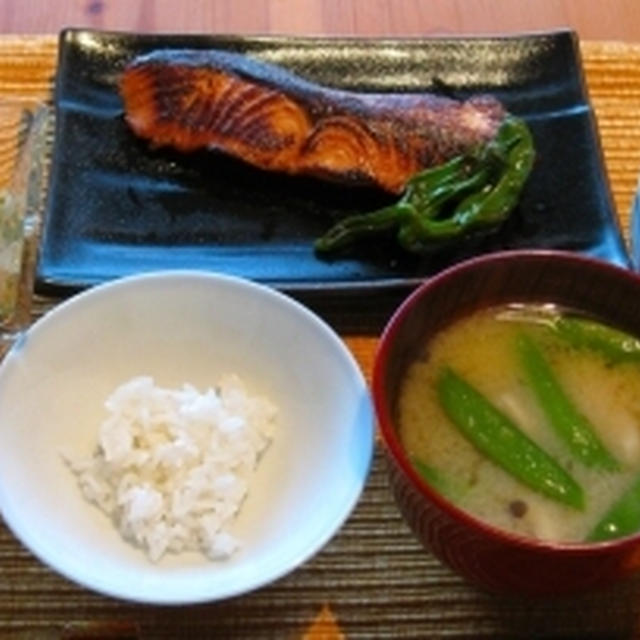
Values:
[(485, 351)]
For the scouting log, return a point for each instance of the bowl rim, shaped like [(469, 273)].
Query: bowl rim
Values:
[(391, 441), (313, 546)]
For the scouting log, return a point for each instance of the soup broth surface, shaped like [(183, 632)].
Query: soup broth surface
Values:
[(481, 348)]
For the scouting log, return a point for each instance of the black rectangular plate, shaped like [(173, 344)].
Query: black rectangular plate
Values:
[(117, 207)]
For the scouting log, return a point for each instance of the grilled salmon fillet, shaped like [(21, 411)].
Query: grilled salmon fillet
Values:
[(276, 120)]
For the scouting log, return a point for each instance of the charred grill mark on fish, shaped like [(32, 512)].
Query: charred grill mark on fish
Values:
[(276, 120)]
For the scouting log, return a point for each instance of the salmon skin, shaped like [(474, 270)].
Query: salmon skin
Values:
[(275, 120)]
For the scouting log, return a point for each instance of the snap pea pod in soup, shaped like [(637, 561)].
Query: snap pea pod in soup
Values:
[(500, 440), (622, 519), (572, 426), (615, 345), (440, 481)]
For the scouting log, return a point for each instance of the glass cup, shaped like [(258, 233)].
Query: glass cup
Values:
[(23, 133)]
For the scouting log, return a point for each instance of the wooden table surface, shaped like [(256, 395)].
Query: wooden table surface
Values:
[(592, 19), (328, 598)]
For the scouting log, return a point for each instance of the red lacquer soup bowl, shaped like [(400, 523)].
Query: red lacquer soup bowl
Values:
[(485, 555)]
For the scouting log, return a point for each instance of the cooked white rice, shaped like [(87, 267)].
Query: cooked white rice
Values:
[(173, 466)]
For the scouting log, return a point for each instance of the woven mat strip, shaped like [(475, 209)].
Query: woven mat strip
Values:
[(373, 578), (612, 72)]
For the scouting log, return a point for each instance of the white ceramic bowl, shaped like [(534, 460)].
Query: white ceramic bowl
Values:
[(182, 327)]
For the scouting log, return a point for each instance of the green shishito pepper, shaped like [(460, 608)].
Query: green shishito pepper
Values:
[(501, 441), (572, 426), (615, 345), (622, 519), (466, 193)]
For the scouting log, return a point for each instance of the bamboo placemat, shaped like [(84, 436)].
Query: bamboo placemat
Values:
[(373, 580)]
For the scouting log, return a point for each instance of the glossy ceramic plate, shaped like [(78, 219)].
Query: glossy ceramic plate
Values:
[(117, 207)]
